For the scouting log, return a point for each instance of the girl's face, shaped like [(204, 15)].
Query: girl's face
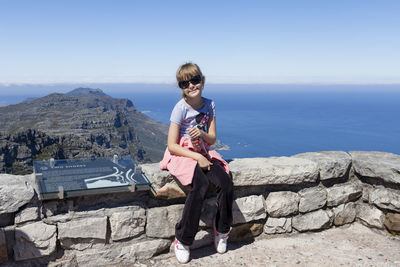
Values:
[(194, 90)]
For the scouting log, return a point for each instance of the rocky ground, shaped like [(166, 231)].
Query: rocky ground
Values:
[(351, 245)]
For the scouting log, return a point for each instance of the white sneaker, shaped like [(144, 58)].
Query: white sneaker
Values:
[(220, 241), (182, 252)]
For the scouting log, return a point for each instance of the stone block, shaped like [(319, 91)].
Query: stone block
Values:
[(370, 215), (312, 199), (15, 192), (281, 204), (345, 213), (273, 171), (248, 209), (278, 225), (245, 231), (92, 228), (161, 221), (343, 193), (315, 220), (26, 215), (392, 222), (127, 224), (386, 199), (163, 183), (34, 240), (202, 239), (380, 165), (331, 164)]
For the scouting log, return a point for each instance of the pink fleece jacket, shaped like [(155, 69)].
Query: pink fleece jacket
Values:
[(182, 167)]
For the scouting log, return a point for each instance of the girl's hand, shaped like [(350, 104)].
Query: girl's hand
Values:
[(195, 132), (204, 163)]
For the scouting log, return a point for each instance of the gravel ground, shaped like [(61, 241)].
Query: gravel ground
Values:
[(351, 245)]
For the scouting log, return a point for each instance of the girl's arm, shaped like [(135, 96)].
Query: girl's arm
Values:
[(210, 136), (175, 148)]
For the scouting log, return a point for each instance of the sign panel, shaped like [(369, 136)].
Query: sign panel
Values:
[(73, 177)]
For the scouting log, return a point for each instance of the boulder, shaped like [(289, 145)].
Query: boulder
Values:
[(278, 225), (380, 165), (34, 240), (312, 199), (127, 224), (345, 213), (392, 222), (247, 209), (315, 220), (245, 231), (280, 204), (161, 221), (15, 192), (370, 215), (163, 184), (385, 198), (331, 164), (343, 193), (273, 171), (3, 247)]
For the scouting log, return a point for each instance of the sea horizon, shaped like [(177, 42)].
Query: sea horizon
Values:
[(281, 120)]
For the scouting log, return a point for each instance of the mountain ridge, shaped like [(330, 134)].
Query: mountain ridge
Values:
[(84, 122)]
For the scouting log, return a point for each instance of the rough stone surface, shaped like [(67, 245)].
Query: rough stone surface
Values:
[(146, 249), (370, 216), (385, 199), (331, 164), (343, 193), (247, 209), (121, 254), (273, 170), (245, 232), (312, 199), (280, 204), (161, 221), (374, 164), (352, 245), (127, 224), (315, 220), (27, 214), (392, 222), (15, 192), (3, 247), (163, 183), (278, 225), (95, 227), (34, 241), (202, 239), (345, 213)]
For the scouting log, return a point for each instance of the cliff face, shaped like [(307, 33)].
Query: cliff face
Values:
[(82, 123)]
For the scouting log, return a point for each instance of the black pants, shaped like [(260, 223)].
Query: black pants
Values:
[(186, 229)]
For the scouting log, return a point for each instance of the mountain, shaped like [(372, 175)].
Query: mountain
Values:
[(82, 123)]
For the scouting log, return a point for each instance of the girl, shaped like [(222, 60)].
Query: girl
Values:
[(192, 130)]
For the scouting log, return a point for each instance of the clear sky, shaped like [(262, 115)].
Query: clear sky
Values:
[(337, 41)]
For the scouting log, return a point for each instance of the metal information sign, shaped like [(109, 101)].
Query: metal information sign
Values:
[(76, 177)]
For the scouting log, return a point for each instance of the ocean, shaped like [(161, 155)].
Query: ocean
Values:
[(283, 120)]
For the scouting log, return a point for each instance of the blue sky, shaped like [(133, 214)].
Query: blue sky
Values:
[(232, 41)]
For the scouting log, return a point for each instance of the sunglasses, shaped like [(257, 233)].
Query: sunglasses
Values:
[(194, 80)]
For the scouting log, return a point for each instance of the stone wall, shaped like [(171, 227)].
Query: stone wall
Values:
[(305, 192)]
